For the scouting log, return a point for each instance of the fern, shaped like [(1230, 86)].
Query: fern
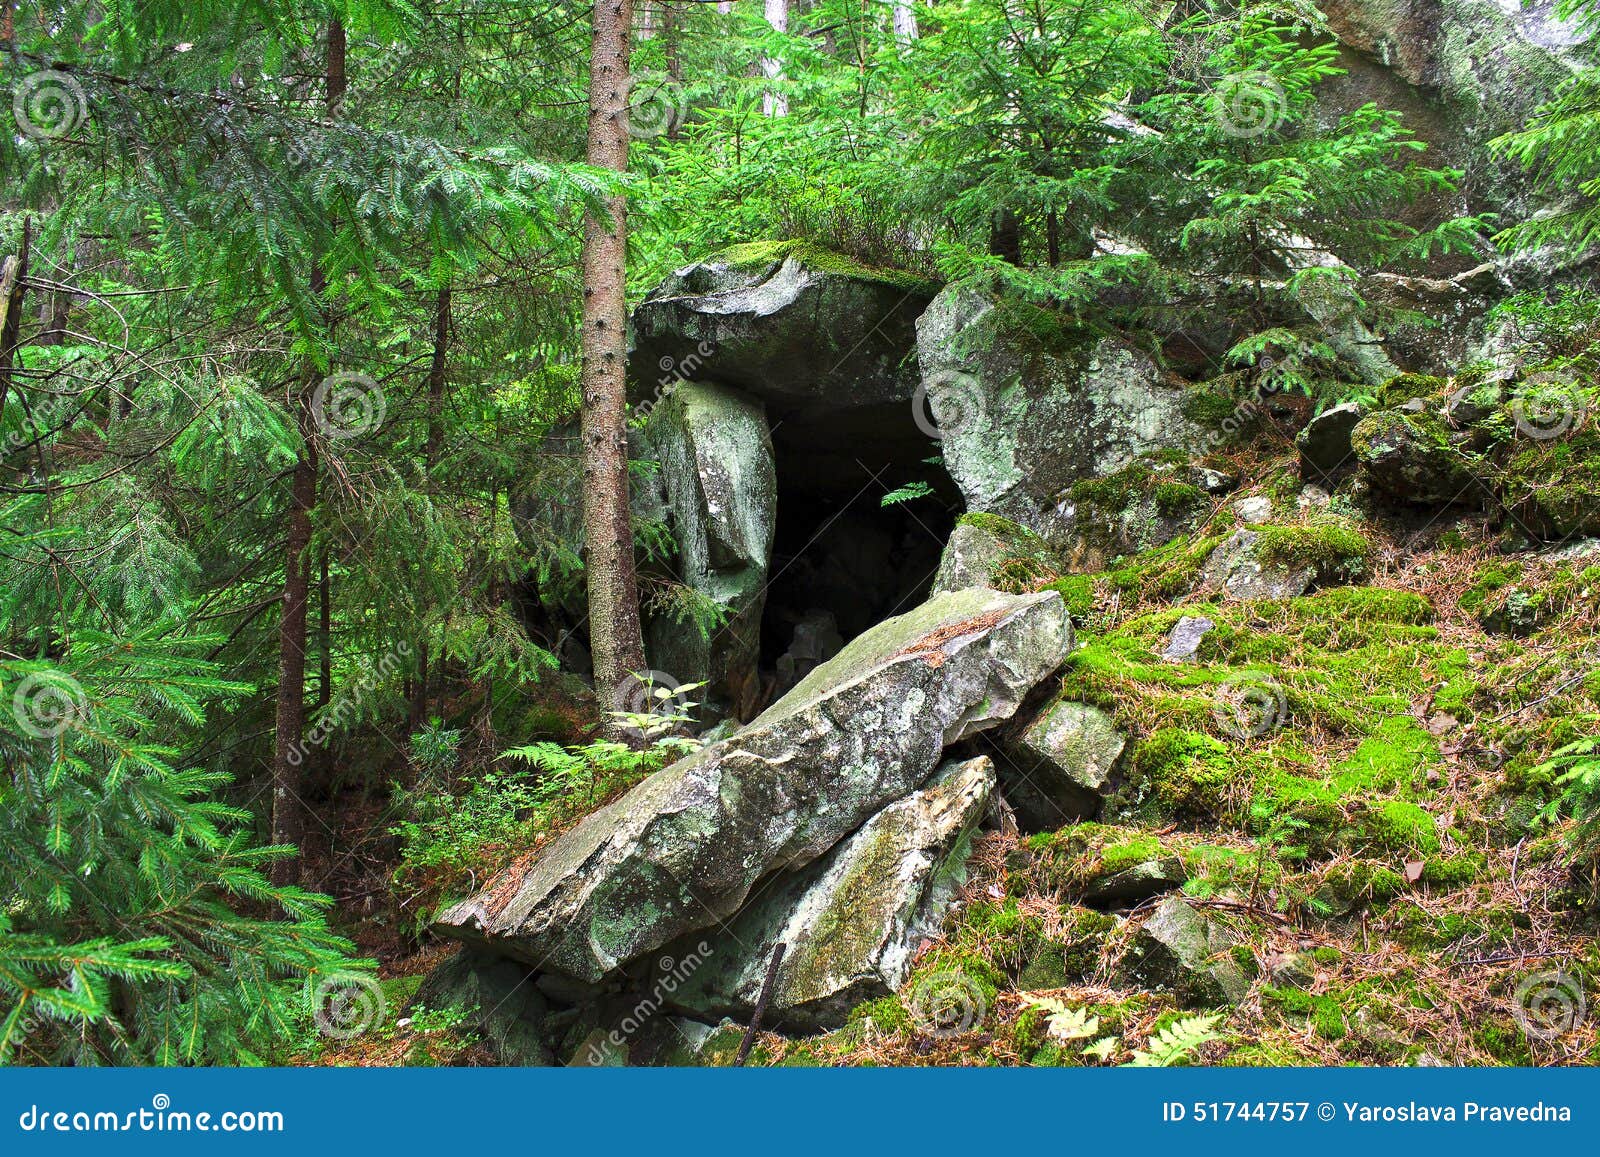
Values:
[(1177, 1043)]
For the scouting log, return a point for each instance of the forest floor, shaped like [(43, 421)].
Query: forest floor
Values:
[(1378, 857)]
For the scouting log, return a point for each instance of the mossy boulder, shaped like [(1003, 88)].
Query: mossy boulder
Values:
[(499, 1002), (984, 548), (850, 922), (684, 849), (1059, 765), (1026, 405), (788, 323), (1412, 457)]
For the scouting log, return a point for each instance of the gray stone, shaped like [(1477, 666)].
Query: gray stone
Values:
[(1236, 569), (1021, 418), (850, 922), (717, 470), (1185, 638), (1059, 766), (977, 546), (1182, 951), (684, 849), (499, 1000), (1255, 510), (781, 327), (1137, 883), (1324, 444)]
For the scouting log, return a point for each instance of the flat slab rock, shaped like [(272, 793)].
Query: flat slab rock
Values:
[(851, 921), (684, 849), (790, 330)]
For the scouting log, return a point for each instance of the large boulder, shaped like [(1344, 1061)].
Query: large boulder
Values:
[(850, 922), (1025, 406), (1324, 444), (797, 327), (684, 849), (717, 472)]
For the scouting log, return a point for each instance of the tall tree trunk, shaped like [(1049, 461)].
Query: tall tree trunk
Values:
[(13, 288), (905, 22), (671, 35), (774, 103), (288, 814), (614, 634)]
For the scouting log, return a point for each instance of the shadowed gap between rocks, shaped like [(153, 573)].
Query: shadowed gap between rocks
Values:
[(841, 560)]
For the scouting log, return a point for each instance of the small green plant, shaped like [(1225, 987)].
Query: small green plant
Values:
[(1177, 1043), (1578, 765)]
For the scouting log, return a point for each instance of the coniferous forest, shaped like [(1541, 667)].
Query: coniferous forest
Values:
[(824, 532)]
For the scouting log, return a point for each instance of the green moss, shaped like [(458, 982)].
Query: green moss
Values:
[(1328, 547), (1216, 408), (1189, 771), (1176, 498), (1324, 1012), (758, 254), (1403, 388), (1077, 592)]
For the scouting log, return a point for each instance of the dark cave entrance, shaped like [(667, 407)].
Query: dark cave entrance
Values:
[(838, 553)]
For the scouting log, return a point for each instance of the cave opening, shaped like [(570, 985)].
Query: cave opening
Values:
[(842, 561)]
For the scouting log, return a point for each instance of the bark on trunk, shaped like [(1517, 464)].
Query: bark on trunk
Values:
[(289, 758), (614, 633), (775, 104)]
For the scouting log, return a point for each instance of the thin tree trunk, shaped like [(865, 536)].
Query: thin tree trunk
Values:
[(430, 458), (1005, 236), (288, 814), (614, 633), (13, 288)]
